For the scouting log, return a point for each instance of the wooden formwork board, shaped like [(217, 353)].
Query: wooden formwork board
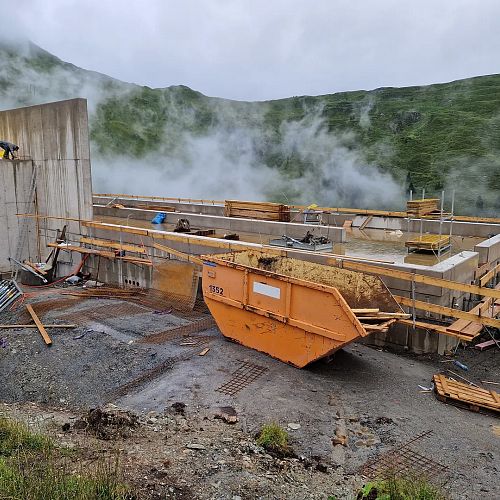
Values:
[(473, 398)]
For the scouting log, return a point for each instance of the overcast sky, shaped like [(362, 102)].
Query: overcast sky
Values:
[(257, 50)]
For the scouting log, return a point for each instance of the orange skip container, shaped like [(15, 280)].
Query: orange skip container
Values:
[(293, 310)]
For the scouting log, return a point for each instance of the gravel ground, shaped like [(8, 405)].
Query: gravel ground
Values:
[(363, 402)]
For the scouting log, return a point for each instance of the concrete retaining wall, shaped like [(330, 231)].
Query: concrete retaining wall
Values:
[(54, 138), (230, 224), (390, 223)]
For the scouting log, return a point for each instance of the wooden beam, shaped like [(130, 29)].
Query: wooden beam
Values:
[(188, 257), (420, 278), (489, 275), (12, 327), (102, 253), (158, 198), (39, 325), (113, 244), (447, 311)]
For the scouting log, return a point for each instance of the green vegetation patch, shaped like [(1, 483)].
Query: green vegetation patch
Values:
[(397, 488), (33, 468), (274, 438), (16, 437)]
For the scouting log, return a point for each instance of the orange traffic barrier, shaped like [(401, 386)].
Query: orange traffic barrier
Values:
[(294, 310)]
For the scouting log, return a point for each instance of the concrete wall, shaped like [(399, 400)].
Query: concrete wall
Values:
[(489, 250), (230, 224), (15, 181), (389, 223), (54, 139)]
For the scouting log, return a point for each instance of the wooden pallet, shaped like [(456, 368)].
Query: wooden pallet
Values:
[(257, 210), (429, 242), (468, 396)]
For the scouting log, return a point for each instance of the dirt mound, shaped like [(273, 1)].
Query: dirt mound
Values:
[(108, 423)]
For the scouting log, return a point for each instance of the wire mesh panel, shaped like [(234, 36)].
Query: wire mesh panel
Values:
[(403, 461), (244, 375), (179, 332)]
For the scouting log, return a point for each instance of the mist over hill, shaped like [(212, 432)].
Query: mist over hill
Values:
[(358, 149)]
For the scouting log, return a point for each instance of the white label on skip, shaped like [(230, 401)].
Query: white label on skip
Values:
[(263, 289)]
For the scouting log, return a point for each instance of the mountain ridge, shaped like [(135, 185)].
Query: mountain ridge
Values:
[(432, 137)]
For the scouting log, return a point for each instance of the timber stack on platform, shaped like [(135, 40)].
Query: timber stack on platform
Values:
[(418, 208), (257, 210)]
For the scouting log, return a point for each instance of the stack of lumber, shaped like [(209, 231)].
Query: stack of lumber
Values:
[(374, 320), (472, 397), (418, 208), (257, 210)]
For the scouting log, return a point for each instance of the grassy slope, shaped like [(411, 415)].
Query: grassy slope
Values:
[(438, 136)]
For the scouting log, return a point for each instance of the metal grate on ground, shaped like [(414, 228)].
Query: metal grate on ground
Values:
[(179, 332), (244, 375), (104, 312), (404, 461), (195, 341), (153, 373)]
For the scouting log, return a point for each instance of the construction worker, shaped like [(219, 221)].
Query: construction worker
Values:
[(8, 150)]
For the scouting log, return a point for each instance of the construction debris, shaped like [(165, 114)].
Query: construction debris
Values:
[(473, 398), (107, 423), (308, 242), (39, 325), (227, 414)]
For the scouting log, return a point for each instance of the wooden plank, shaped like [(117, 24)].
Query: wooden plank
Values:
[(420, 278), (90, 251), (489, 275), (113, 244), (102, 253), (447, 311), (9, 327), (39, 325), (442, 380), (37, 269), (188, 257), (366, 222), (485, 345), (202, 353), (365, 311), (428, 326)]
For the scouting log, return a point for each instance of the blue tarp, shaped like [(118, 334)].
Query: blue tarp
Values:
[(159, 218)]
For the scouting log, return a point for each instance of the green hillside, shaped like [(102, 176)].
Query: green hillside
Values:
[(444, 136)]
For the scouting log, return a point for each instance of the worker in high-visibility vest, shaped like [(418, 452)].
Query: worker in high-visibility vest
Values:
[(8, 150)]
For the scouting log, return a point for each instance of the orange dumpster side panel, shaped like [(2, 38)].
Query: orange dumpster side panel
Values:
[(294, 320)]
